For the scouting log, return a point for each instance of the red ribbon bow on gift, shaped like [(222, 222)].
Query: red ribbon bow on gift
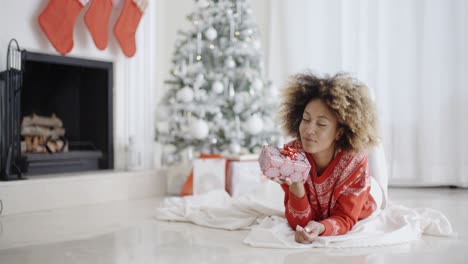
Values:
[(289, 151)]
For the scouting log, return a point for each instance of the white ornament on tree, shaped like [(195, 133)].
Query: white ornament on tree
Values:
[(200, 79), (199, 129), (185, 95), (238, 107), (163, 126), (254, 107), (269, 124), (254, 125), (203, 3), (202, 95), (230, 63), (257, 84), (197, 84), (217, 87), (211, 33), (248, 31), (234, 147)]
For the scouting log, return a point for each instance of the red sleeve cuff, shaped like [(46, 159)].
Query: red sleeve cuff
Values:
[(331, 227)]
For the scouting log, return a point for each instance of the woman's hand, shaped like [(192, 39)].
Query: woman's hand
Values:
[(309, 233), (295, 188)]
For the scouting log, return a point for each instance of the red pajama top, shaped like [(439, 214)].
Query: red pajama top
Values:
[(338, 198)]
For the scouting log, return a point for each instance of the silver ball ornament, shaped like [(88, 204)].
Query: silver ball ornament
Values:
[(230, 63), (203, 3), (254, 125), (199, 129), (217, 87), (234, 147), (257, 84), (211, 33), (185, 95)]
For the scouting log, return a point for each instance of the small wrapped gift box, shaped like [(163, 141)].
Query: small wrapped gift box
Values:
[(284, 163), (208, 175), (243, 177)]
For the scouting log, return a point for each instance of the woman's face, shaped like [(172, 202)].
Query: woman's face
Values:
[(319, 128)]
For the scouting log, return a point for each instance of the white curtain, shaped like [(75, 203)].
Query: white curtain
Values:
[(413, 54)]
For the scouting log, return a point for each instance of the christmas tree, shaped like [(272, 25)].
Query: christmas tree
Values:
[(218, 99)]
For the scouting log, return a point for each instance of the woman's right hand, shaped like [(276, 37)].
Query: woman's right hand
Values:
[(309, 233), (295, 188)]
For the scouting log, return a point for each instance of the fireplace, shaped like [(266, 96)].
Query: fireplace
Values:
[(79, 93)]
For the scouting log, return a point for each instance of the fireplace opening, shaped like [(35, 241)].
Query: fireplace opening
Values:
[(66, 114)]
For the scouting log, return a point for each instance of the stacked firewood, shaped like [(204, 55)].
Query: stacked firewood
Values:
[(43, 134)]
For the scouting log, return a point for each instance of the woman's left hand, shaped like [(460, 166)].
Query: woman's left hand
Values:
[(309, 233)]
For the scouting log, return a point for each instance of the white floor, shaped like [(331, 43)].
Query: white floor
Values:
[(125, 232)]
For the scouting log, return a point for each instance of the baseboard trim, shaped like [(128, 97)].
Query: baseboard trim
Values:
[(76, 189)]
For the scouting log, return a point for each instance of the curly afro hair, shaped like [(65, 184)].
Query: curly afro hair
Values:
[(344, 95)]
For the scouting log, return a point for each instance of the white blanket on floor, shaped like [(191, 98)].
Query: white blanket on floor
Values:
[(268, 227)]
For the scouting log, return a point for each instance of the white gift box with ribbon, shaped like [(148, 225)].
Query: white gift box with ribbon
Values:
[(208, 175)]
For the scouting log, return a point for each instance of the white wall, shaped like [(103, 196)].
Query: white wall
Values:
[(261, 11)]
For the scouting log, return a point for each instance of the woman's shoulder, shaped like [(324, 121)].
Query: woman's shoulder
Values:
[(352, 165), (354, 158)]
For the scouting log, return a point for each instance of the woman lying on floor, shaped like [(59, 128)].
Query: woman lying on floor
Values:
[(334, 121)]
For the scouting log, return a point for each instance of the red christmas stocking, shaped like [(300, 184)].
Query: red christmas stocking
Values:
[(57, 21), (97, 21), (127, 23)]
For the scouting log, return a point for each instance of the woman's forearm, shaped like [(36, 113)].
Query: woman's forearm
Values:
[(297, 189)]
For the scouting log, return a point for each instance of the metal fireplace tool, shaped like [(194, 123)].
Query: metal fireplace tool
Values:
[(12, 164)]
